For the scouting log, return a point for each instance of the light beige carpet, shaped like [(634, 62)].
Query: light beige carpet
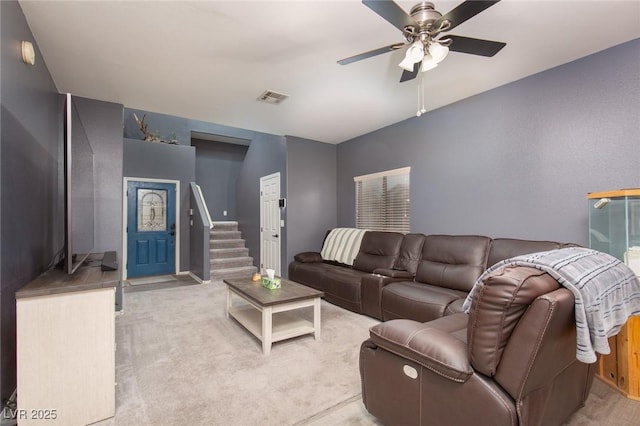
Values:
[(180, 361)]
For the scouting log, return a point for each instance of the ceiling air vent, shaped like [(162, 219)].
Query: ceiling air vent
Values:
[(271, 97)]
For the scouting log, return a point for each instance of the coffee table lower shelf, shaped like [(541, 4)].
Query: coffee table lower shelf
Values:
[(273, 323), (285, 325)]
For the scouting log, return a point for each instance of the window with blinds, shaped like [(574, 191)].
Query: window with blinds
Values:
[(382, 201)]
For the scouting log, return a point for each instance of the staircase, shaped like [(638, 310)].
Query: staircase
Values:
[(228, 254)]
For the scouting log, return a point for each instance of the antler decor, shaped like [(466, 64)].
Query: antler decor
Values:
[(152, 137), (144, 128)]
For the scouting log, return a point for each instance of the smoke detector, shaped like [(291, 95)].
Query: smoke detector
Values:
[(271, 97)]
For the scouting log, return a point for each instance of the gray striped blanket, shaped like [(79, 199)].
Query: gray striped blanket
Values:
[(342, 245), (606, 292)]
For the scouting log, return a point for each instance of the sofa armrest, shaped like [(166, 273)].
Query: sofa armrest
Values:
[(308, 257), (371, 286), (394, 273), (431, 344)]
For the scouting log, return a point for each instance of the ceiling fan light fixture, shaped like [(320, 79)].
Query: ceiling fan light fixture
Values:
[(438, 52), (428, 63), (406, 64), (414, 54)]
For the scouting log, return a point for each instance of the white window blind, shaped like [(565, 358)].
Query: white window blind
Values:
[(382, 201)]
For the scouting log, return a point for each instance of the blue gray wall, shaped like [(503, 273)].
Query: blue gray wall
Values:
[(31, 195), (183, 127), (218, 166), (267, 154), (143, 159), (516, 161), (311, 189)]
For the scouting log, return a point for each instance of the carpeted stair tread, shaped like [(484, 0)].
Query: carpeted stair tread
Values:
[(231, 262), (224, 226), (225, 244), (224, 253), (238, 272), (225, 235)]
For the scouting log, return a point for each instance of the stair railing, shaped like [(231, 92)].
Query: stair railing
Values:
[(200, 227)]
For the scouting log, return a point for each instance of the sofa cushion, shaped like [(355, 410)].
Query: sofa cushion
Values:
[(506, 248), (308, 257), (309, 274), (342, 287), (455, 307), (378, 250), (410, 253), (453, 261), (417, 301), (438, 345)]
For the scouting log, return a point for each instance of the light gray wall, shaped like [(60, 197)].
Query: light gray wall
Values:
[(311, 190), (31, 194), (516, 161), (143, 159), (217, 168), (267, 154)]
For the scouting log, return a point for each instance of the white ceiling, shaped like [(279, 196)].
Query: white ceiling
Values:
[(210, 60)]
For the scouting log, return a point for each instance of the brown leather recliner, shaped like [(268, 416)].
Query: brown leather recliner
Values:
[(511, 361)]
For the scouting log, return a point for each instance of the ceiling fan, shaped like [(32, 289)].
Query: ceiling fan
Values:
[(423, 30)]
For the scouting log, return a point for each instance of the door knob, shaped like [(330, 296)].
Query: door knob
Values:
[(275, 235)]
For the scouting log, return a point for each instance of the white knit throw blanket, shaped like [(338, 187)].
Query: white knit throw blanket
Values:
[(606, 292), (342, 245)]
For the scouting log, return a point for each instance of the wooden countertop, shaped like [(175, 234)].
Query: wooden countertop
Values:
[(57, 281)]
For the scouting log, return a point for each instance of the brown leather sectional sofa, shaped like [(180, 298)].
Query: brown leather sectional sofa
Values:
[(412, 276), (510, 361)]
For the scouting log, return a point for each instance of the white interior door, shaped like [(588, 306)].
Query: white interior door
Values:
[(270, 223)]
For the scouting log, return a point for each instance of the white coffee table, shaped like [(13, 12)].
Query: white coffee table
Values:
[(257, 315)]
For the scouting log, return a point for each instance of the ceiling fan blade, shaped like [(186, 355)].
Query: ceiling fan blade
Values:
[(463, 12), (474, 46), (410, 75), (371, 53), (390, 11)]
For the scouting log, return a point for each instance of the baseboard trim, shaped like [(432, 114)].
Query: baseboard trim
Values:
[(194, 276)]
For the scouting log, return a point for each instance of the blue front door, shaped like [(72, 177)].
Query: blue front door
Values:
[(151, 228)]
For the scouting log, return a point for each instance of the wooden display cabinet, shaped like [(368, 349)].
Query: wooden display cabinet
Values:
[(621, 368), (614, 228)]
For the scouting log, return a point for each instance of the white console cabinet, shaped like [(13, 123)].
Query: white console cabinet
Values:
[(66, 348)]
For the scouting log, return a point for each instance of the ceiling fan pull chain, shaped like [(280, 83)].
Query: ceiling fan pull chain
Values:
[(418, 113), (421, 94), (421, 108)]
